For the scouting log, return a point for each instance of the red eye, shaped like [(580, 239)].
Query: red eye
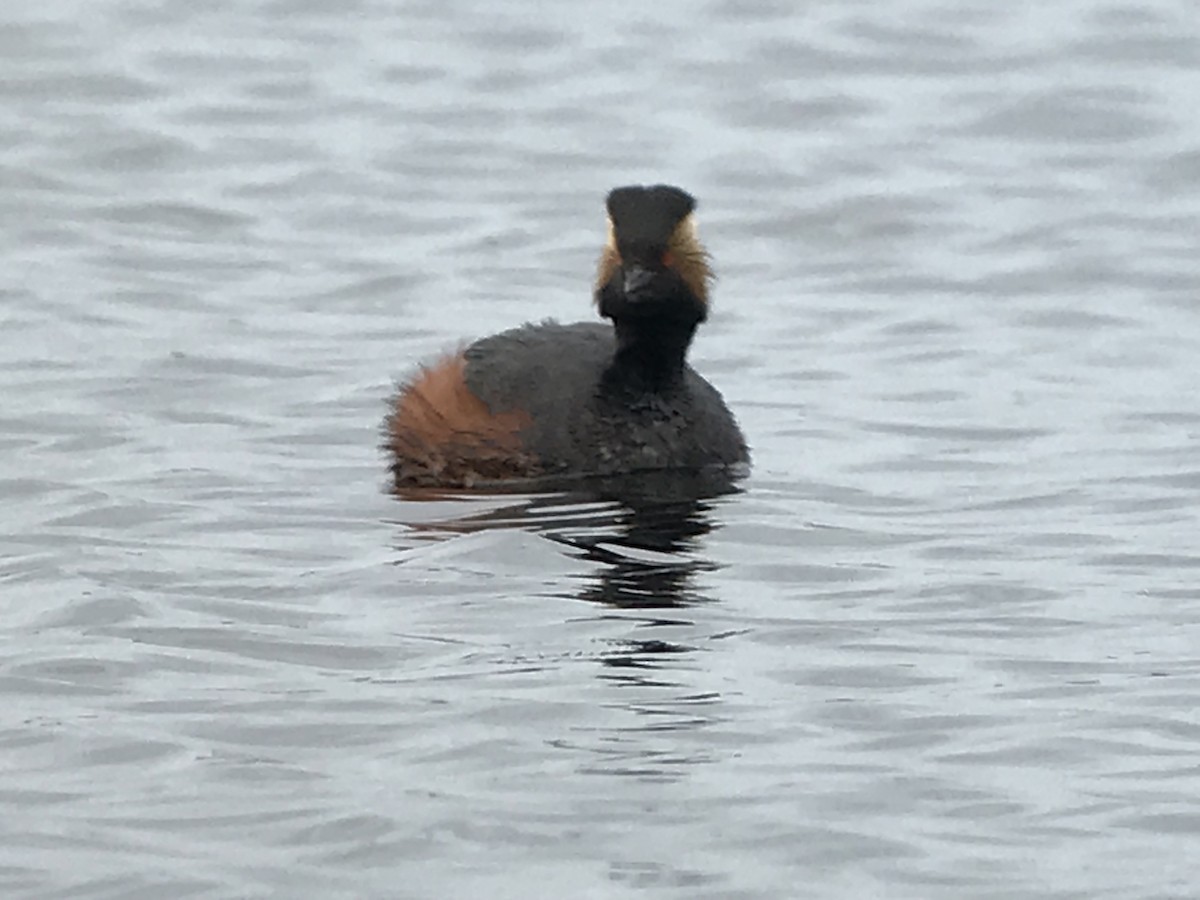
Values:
[(668, 259)]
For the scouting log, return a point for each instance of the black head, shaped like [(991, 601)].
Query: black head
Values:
[(653, 264), (645, 217)]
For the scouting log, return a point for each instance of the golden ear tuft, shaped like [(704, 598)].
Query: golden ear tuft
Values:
[(610, 259), (689, 257), (688, 229)]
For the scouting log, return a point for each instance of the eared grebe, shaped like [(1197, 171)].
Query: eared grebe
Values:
[(553, 400)]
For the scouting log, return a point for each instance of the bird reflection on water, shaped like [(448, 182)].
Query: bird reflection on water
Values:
[(643, 532)]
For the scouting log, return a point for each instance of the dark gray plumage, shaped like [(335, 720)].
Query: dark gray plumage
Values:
[(585, 423)]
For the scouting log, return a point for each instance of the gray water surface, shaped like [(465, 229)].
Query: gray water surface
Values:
[(945, 644)]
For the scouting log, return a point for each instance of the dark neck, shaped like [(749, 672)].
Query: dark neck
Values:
[(650, 353)]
